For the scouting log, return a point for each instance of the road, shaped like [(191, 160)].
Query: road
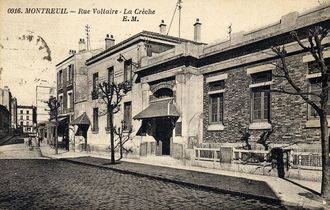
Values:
[(56, 184)]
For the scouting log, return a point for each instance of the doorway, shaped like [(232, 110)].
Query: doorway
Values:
[(164, 131)]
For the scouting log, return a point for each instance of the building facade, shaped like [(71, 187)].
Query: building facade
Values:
[(71, 90), (26, 118), (185, 94), (6, 100), (118, 63), (4, 121)]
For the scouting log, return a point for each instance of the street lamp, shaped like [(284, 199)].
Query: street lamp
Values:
[(122, 59)]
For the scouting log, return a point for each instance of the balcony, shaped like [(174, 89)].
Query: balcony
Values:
[(69, 82), (95, 94), (128, 86), (60, 86)]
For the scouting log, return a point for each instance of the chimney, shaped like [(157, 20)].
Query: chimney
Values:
[(81, 45), (162, 27), (109, 41), (197, 31)]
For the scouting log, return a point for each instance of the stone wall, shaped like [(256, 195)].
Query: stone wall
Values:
[(288, 113)]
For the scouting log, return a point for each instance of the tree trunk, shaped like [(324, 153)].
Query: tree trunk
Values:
[(56, 135), (325, 187), (112, 140)]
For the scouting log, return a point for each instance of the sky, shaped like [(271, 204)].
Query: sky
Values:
[(32, 44)]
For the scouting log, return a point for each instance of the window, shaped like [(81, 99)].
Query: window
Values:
[(315, 87), (95, 85), (216, 108), (260, 104), (60, 79), (70, 100), (21, 117), (21, 111), (127, 116), (217, 85), (260, 96), (95, 81), (110, 75), (21, 123), (27, 123), (313, 67), (95, 119), (27, 117), (27, 111), (61, 102), (70, 73), (261, 77), (128, 70)]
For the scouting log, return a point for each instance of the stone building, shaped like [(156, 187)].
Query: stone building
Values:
[(26, 118)]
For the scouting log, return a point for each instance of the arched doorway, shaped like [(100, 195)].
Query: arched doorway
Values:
[(158, 120)]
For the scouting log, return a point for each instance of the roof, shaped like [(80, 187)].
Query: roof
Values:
[(145, 34), (159, 108), (81, 120)]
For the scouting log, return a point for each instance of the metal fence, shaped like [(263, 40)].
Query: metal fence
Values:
[(258, 156)]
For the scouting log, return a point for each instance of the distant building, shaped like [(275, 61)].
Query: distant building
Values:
[(6, 100), (4, 121), (14, 113), (26, 118)]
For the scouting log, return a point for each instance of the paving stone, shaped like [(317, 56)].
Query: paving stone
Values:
[(54, 184)]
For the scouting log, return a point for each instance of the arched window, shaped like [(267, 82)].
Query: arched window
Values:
[(163, 93)]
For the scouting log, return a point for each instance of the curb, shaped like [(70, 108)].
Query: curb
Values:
[(189, 184), (267, 199)]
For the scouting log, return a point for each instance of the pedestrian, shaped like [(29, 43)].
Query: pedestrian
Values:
[(30, 141), (39, 140)]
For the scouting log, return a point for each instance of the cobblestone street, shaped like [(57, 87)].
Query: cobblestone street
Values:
[(53, 184)]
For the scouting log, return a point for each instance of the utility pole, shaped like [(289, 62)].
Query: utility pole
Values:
[(88, 30), (229, 31), (179, 7)]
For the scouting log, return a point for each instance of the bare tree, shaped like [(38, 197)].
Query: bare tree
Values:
[(112, 94), (318, 100), (122, 139), (54, 106)]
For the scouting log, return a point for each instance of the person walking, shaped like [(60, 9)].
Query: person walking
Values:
[(30, 141)]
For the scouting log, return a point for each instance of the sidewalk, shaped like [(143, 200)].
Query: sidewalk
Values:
[(294, 193)]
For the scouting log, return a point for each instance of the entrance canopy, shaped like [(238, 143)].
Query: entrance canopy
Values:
[(159, 108), (81, 120)]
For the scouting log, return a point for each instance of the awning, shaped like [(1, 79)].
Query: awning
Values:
[(159, 108), (81, 120)]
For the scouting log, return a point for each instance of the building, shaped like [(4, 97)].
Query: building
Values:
[(185, 95), (6, 100), (43, 93), (14, 113), (71, 89), (26, 118), (4, 121), (117, 63)]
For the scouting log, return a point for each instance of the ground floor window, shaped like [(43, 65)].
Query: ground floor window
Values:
[(95, 119), (260, 104), (127, 116), (216, 108)]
